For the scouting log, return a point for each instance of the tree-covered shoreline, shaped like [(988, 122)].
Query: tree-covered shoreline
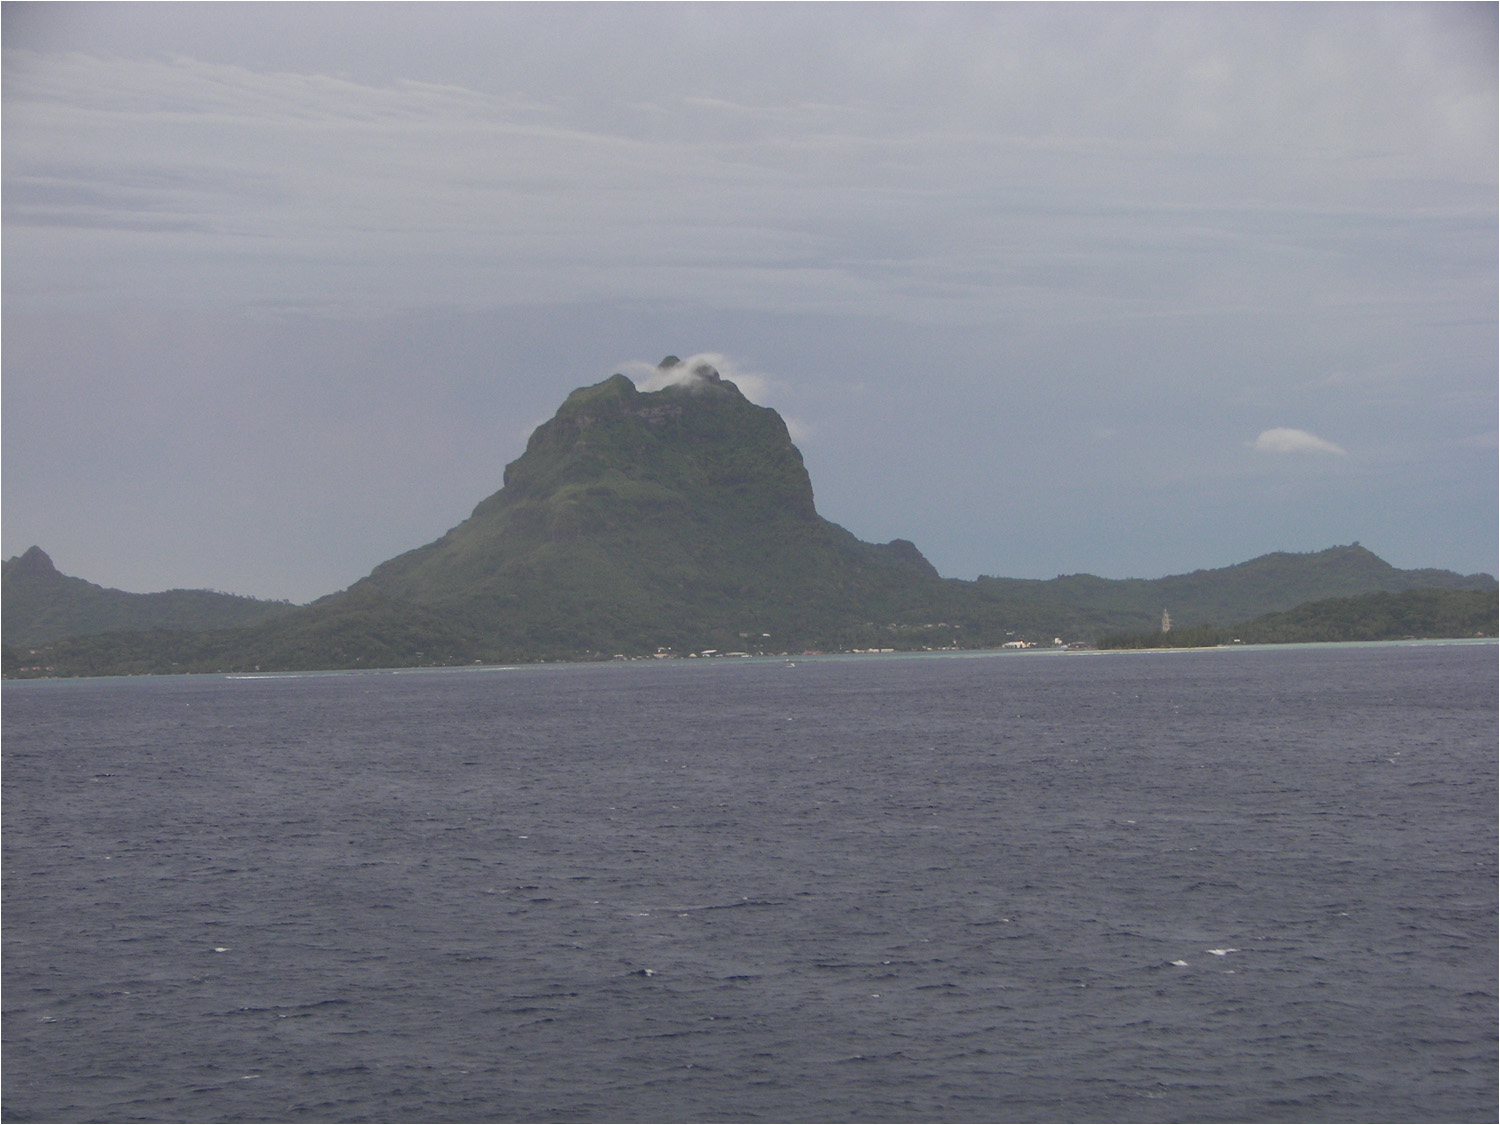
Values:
[(1380, 616)]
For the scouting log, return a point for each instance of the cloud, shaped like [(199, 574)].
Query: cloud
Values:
[(756, 386), (1284, 440), (956, 166), (649, 377)]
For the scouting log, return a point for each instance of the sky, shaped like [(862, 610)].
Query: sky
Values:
[(1128, 290)]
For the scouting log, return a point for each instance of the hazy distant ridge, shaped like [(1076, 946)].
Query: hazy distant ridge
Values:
[(41, 604), (1267, 584)]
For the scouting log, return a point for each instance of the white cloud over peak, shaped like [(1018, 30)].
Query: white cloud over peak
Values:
[(758, 387), (650, 377), (1285, 440)]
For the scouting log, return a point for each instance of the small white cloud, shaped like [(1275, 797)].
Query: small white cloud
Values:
[(649, 377), (1284, 440)]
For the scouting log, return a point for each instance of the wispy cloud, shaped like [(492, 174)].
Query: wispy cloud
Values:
[(1285, 440), (754, 385), (757, 386), (973, 173)]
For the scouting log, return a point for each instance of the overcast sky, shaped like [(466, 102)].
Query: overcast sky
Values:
[(1129, 290)]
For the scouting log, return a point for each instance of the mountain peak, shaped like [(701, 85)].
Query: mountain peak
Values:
[(696, 436), (35, 563)]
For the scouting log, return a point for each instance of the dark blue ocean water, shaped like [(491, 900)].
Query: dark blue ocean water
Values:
[(1250, 884)]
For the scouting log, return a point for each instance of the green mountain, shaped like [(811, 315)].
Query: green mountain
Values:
[(674, 522), (40, 604), (678, 520)]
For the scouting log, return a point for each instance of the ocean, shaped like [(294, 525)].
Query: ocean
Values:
[(1246, 884)]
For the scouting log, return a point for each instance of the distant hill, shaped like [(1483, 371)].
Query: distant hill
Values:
[(1420, 614), (677, 522), (1082, 603), (1381, 616), (37, 604)]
